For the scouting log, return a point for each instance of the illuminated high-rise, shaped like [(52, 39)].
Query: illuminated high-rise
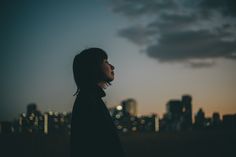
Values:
[(130, 106)]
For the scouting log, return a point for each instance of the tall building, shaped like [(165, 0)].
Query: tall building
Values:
[(174, 115), (216, 122), (200, 119), (229, 121), (187, 111), (147, 123), (31, 108), (130, 106), (178, 115), (33, 120), (56, 123), (125, 118)]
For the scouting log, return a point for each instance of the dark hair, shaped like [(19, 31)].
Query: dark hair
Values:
[(87, 67)]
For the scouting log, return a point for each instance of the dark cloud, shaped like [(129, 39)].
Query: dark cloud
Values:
[(134, 8), (190, 44), (181, 31), (227, 7), (138, 34)]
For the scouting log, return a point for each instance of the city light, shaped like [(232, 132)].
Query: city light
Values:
[(119, 107), (178, 117)]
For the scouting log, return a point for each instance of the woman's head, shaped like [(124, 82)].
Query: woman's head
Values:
[(91, 67)]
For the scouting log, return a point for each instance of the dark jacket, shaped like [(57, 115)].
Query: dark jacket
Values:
[(92, 130)]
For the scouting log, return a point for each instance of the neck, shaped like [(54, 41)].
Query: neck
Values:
[(102, 84)]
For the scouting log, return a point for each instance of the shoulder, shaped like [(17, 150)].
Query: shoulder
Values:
[(85, 104)]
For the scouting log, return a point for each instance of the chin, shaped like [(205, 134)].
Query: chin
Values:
[(110, 79)]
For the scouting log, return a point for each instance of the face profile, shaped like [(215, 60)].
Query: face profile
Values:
[(108, 71), (91, 67)]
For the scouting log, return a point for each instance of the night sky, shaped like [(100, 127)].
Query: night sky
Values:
[(161, 49)]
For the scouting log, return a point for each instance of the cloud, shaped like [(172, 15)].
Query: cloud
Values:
[(202, 63), (181, 30), (180, 46), (138, 34), (227, 7)]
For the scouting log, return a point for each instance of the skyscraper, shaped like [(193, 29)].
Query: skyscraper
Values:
[(216, 122), (174, 115), (187, 111), (200, 119), (178, 115), (130, 106)]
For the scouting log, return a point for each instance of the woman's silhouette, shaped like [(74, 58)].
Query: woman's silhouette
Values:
[(92, 130)]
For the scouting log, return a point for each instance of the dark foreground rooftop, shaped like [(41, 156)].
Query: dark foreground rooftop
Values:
[(180, 144)]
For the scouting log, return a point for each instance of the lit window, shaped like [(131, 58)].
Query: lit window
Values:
[(132, 118), (142, 121), (134, 128), (125, 130), (117, 116), (55, 120), (31, 118), (50, 113), (119, 127), (119, 107), (64, 113), (208, 124)]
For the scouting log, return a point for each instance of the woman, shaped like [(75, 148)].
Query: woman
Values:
[(92, 130)]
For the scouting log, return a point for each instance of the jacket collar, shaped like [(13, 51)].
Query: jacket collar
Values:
[(93, 91)]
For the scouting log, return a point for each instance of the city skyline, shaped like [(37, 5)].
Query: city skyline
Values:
[(178, 117), (161, 50), (119, 107)]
